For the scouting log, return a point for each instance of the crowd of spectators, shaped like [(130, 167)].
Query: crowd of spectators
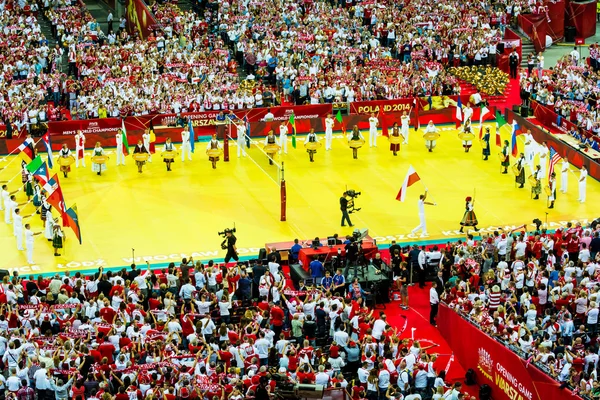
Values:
[(536, 293), (571, 89), (309, 52), (203, 331)]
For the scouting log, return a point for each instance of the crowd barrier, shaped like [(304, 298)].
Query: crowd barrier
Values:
[(306, 117), (576, 157), (509, 376), (548, 117)]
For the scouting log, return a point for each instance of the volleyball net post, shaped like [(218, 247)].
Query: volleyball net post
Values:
[(283, 194), (265, 162)]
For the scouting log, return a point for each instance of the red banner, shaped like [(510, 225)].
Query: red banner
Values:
[(283, 113), (535, 27), (556, 13), (549, 118), (87, 126), (139, 18), (582, 15), (576, 157), (509, 376), (388, 106)]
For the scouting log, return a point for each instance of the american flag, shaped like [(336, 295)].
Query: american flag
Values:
[(554, 159)]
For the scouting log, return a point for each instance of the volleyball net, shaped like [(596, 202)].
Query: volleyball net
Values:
[(265, 157)]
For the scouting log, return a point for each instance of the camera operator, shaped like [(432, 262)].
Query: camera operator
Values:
[(230, 241), (344, 208)]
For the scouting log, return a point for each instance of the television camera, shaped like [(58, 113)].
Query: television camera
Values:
[(353, 194)]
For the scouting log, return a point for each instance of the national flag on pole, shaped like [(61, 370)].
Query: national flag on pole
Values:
[(54, 196), (292, 122), (554, 159), (48, 144), (383, 122), (410, 179), (124, 138), (500, 122), (482, 116), (338, 118), (515, 151), (192, 135), (39, 170), (449, 363), (26, 148), (247, 125), (459, 115), (73, 221), (416, 106)]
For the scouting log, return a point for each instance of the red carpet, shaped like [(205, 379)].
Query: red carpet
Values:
[(418, 317)]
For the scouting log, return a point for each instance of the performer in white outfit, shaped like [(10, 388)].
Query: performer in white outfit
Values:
[(98, 151), (9, 207), (552, 186), (29, 234), (185, 145), (530, 146), (544, 151), (79, 148), (283, 131), (430, 144), (329, 121), (120, 154), (405, 125), (422, 224), (49, 227), (146, 141), (18, 228), (582, 181), (564, 175), (5, 196), (373, 124), (241, 139), (467, 112)]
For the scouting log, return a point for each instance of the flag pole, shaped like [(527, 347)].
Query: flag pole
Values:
[(428, 193), (14, 158)]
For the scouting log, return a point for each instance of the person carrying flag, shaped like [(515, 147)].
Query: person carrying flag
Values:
[(505, 163), (485, 148), (552, 186), (119, 143), (329, 121), (241, 138), (283, 131), (405, 123), (79, 149), (373, 124), (186, 147)]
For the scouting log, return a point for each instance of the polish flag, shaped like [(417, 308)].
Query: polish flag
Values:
[(411, 179)]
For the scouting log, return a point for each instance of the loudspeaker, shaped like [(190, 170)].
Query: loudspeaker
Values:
[(524, 111), (3, 273), (262, 254), (516, 108), (570, 34), (309, 391), (500, 48)]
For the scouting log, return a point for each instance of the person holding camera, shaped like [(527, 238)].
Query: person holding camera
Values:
[(229, 245), (344, 200)]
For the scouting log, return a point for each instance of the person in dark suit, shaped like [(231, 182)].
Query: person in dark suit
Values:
[(258, 270), (133, 273), (321, 316), (413, 261), (513, 63), (440, 283), (351, 257)]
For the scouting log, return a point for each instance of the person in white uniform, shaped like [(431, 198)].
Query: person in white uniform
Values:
[(564, 175), (552, 186), (373, 124), (185, 145), (530, 146), (405, 125), (582, 181), (10, 207), (467, 112), (5, 196), (79, 148), (422, 225), (146, 141), (120, 154), (329, 121), (431, 128), (29, 234), (241, 139), (544, 151), (283, 131), (18, 228)]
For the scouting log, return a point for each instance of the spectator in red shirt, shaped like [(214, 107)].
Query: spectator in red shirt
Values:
[(276, 317)]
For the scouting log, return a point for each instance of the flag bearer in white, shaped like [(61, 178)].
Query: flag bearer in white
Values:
[(119, 141), (582, 181), (373, 123), (423, 224), (29, 234)]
